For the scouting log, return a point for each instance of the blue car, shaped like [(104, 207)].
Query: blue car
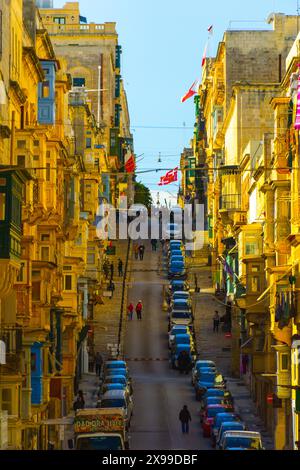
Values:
[(181, 294), (219, 420), (177, 270), (229, 426), (178, 285), (113, 386), (176, 258), (214, 392), (175, 354), (178, 330), (201, 370), (175, 252), (115, 365)]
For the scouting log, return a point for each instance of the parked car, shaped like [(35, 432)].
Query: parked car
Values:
[(181, 294), (208, 380), (199, 365), (184, 339), (117, 379), (219, 419), (112, 386), (178, 330), (118, 399), (249, 440), (180, 318), (208, 417), (176, 352), (119, 371), (175, 252), (180, 304), (178, 285), (228, 426), (114, 364), (177, 270)]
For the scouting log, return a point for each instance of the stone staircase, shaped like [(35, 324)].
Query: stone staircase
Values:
[(107, 316)]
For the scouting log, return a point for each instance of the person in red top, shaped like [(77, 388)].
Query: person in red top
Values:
[(138, 309), (130, 309)]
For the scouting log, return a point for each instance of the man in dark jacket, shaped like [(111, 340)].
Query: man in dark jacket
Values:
[(185, 417)]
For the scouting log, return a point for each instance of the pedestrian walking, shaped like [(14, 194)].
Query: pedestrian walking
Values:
[(99, 363), (185, 418), (216, 320), (141, 251), (154, 244), (138, 309), (120, 267), (79, 402), (111, 270), (130, 309), (111, 287), (136, 251)]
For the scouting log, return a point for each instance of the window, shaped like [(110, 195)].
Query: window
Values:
[(45, 253), (21, 275), (78, 82), (36, 291), (284, 359), (47, 171), (91, 258), (88, 143), (33, 362), (21, 160), (59, 20), (255, 284), (78, 241), (45, 237), (2, 206), (36, 143), (68, 282), (45, 89), (6, 400), (21, 144)]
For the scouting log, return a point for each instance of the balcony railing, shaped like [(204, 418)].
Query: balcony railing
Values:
[(230, 202), (12, 338), (107, 28)]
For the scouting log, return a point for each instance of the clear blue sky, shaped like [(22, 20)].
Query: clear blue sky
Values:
[(163, 43)]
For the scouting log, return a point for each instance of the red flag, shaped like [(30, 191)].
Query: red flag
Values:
[(130, 164), (172, 175), (192, 91), (169, 177), (210, 29)]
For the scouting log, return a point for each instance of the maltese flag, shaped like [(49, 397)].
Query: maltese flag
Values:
[(192, 91)]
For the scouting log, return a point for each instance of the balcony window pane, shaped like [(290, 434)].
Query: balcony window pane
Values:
[(45, 253), (36, 291), (68, 282), (2, 205)]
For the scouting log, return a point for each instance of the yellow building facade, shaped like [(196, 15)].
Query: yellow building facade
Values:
[(250, 146)]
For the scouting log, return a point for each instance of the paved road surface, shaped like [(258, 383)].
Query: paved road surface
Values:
[(159, 392)]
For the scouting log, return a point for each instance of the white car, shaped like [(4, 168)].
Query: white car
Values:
[(235, 440), (118, 399)]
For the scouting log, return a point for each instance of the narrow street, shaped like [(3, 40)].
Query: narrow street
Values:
[(159, 391)]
